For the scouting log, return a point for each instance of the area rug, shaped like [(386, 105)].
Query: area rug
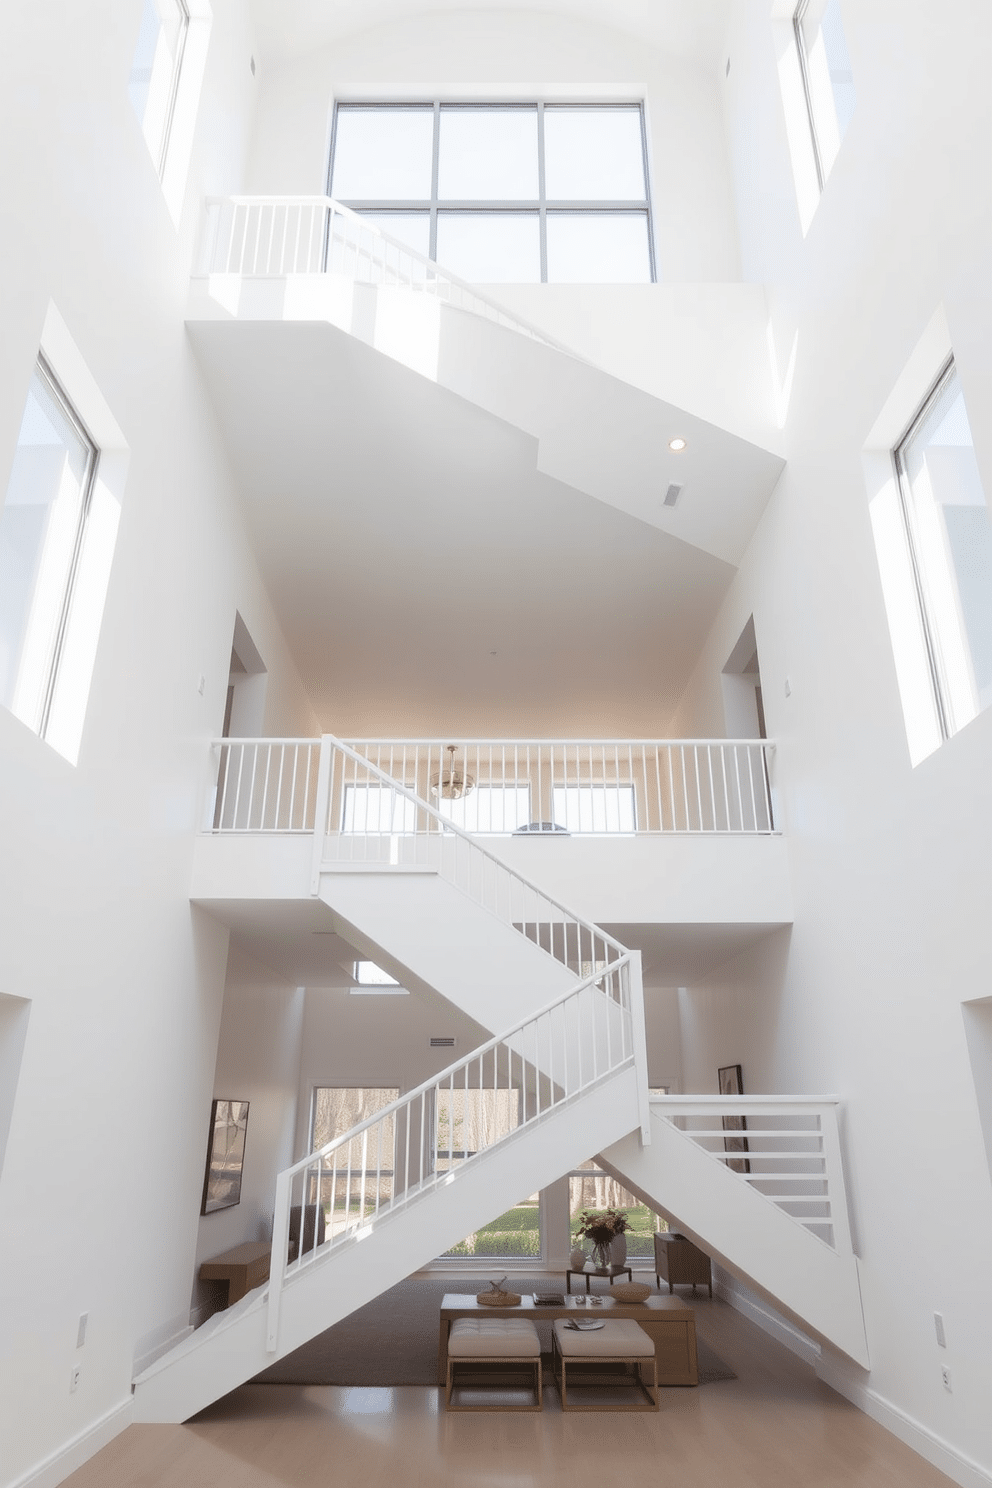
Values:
[(393, 1340)]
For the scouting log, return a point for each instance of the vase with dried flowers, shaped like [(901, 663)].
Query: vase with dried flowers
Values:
[(602, 1229)]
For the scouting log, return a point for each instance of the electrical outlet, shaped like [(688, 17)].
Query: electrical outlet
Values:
[(945, 1375), (74, 1378)]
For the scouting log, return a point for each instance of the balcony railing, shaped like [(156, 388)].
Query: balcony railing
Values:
[(495, 787), (272, 237)]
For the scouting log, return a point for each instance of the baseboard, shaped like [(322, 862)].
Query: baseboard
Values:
[(926, 1443), (56, 1468), (767, 1319), (150, 1355)]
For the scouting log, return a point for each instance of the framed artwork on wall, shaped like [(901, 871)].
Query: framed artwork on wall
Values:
[(732, 1083), (225, 1155)]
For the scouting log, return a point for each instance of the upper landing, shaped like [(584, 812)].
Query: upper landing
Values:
[(668, 845)]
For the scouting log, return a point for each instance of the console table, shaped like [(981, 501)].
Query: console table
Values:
[(670, 1322), (243, 1267)]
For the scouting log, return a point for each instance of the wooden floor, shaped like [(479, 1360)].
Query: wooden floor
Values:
[(775, 1426)]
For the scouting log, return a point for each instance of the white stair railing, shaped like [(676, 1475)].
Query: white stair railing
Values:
[(580, 787), (263, 237), (786, 1148), (408, 1149)]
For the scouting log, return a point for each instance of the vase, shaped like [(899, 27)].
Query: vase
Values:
[(601, 1255), (577, 1259), (618, 1250)]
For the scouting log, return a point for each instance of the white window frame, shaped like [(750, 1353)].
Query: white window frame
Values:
[(942, 692), (74, 657), (171, 148), (539, 206), (802, 52)]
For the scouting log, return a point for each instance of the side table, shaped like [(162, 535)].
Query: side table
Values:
[(608, 1271), (680, 1262)]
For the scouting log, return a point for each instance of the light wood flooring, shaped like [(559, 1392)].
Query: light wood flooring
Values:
[(775, 1426)]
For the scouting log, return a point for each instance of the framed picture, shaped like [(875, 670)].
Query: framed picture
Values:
[(731, 1083), (225, 1155)]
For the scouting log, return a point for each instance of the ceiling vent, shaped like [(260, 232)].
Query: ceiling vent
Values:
[(442, 1043), (672, 494)]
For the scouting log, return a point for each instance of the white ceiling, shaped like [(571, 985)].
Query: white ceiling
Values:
[(428, 577), (689, 28)]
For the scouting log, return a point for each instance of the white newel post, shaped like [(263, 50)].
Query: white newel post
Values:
[(836, 1188), (639, 1034), (320, 809), (278, 1258)]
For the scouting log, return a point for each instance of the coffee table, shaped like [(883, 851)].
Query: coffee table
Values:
[(609, 1271), (669, 1321)]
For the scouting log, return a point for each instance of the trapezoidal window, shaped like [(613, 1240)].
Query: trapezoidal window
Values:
[(153, 86), (828, 82), (501, 192), (950, 542)]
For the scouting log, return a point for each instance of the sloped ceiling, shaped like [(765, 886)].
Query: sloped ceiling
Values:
[(694, 29)]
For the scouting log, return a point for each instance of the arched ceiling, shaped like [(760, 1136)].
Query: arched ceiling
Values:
[(688, 28)]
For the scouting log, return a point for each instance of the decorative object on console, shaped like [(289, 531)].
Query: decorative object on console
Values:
[(732, 1083), (618, 1250), (602, 1230), (496, 1297), (577, 1258), (631, 1291), (225, 1155)]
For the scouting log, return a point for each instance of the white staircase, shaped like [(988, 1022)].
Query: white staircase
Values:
[(428, 900)]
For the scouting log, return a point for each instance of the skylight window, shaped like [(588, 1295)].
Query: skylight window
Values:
[(503, 193), (42, 526), (828, 82), (372, 981), (155, 72), (950, 539)]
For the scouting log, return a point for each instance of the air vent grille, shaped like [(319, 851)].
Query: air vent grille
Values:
[(672, 494), (442, 1043)]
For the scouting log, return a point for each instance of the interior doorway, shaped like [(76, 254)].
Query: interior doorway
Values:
[(244, 709), (743, 705)]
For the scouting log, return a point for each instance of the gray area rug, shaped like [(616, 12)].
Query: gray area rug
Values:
[(393, 1340)]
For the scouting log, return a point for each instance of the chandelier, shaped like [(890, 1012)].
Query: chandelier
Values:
[(452, 781)]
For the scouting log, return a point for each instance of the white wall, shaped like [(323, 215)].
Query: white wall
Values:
[(258, 1060), (100, 1187), (890, 864)]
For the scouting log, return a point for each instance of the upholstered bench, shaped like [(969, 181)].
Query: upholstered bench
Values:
[(488, 1341), (620, 1341)]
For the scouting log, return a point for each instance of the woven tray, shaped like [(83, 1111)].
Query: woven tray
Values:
[(499, 1299), (631, 1291)]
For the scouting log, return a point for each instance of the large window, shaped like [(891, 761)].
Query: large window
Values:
[(594, 808), (42, 527), (363, 1171), (827, 79), (950, 539), (503, 192)]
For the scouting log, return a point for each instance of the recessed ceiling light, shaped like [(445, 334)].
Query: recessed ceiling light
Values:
[(676, 445)]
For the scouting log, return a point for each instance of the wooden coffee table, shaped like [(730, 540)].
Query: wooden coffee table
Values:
[(668, 1320)]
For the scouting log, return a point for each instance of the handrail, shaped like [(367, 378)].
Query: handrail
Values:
[(397, 1155), (301, 246), (450, 828)]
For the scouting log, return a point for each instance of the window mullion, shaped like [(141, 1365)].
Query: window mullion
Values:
[(542, 195), (797, 26), (435, 159)]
